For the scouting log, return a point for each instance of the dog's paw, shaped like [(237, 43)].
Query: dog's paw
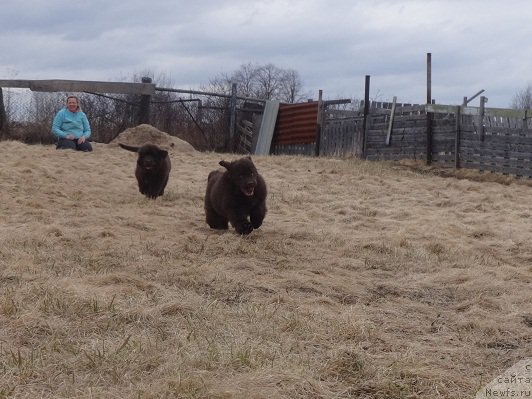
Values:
[(244, 228)]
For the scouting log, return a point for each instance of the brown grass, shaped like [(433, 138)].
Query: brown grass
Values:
[(367, 280)]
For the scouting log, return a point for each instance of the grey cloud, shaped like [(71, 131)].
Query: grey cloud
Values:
[(333, 45)]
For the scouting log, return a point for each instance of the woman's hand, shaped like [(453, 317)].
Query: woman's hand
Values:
[(81, 140), (69, 137)]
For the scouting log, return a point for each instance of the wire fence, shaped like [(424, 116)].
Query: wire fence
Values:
[(202, 119)]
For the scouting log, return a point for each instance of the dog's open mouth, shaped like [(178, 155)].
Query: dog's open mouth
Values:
[(248, 190)]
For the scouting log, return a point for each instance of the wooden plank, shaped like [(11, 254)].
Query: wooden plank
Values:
[(498, 141), (57, 85), (390, 126), (337, 102), (294, 149), (503, 154), (15, 83), (500, 112), (475, 164), (457, 118), (267, 127)]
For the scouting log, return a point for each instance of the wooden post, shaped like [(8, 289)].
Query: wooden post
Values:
[(390, 126), (457, 138), (318, 123), (232, 117), (481, 112), (144, 109), (199, 111), (429, 114), (3, 118), (365, 119)]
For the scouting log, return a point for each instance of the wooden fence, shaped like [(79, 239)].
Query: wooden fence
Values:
[(496, 140), (491, 139)]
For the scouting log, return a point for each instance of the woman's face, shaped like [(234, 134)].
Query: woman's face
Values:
[(72, 104)]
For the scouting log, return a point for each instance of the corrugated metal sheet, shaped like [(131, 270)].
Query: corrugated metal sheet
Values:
[(296, 124)]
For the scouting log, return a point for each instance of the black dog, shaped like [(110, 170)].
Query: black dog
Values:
[(153, 169), (235, 194)]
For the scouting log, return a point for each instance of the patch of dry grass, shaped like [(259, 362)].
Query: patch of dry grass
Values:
[(367, 280)]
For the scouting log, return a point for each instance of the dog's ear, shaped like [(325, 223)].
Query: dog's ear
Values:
[(129, 147), (249, 157), (225, 164)]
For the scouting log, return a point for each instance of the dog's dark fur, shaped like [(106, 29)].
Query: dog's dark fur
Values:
[(234, 195), (153, 169)]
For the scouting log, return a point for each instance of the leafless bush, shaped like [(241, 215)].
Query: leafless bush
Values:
[(204, 124), (523, 98)]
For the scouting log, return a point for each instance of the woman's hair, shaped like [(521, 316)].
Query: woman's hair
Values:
[(77, 100)]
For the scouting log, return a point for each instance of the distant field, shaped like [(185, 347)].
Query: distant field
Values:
[(367, 280)]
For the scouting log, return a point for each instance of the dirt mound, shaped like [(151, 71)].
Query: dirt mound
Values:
[(142, 134)]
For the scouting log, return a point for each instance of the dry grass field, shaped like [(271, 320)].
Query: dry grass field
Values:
[(366, 280)]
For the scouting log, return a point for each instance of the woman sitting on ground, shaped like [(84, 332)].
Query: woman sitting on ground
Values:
[(71, 127)]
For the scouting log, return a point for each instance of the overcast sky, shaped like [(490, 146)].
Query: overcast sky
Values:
[(475, 44)]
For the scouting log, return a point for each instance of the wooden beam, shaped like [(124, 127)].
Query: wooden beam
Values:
[(365, 119), (390, 126), (502, 112), (232, 119), (206, 93), (336, 102), (481, 113), (16, 84), (56, 85), (319, 123), (3, 117), (143, 115), (457, 138), (267, 127), (429, 115)]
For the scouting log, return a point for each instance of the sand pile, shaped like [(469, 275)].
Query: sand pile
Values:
[(142, 134)]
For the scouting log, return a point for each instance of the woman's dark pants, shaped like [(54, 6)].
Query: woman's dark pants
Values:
[(65, 144)]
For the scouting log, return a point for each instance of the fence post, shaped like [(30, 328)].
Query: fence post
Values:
[(144, 109), (365, 119), (429, 114), (199, 111), (481, 112), (318, 123), (457, 138), (232, 117), (3, 119)]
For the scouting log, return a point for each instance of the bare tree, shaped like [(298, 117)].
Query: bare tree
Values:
[(523, 98), (265, 82), (291, 90), (246, 80), (268, 82)]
